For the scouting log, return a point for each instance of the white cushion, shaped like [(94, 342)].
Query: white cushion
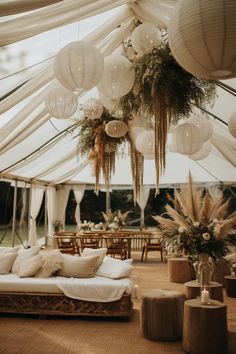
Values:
[(30, 266), (79, 267), (115, 270), (51, 263), (22, 255), (6, 262), (9, 249), (101, 252), (116, 260)]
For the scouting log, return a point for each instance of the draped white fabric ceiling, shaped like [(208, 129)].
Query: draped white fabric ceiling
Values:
[(35, 146)]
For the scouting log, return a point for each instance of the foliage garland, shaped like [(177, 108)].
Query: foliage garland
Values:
[(100, 147), (164, 89)]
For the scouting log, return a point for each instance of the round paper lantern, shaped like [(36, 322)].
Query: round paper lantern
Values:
[(187, 139), (116, 128), (232, 124), (203, 152), (145, 37), (109, 103), (79, 65), (145, 142), (93, 108), (135, 131), (204, 125), (118, 77), (61, 102), (202, 37)]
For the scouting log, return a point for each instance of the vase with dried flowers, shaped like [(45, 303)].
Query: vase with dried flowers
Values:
[(203, 227), (114, 221)]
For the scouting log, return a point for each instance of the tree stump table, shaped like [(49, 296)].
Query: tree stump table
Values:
[(180, 270), (192, 290), (205, 327), (230, 285), (162, 315)]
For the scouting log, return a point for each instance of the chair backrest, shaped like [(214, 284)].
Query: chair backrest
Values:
[(67, 242)]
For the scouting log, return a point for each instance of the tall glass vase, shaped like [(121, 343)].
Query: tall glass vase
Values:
[(205, 271)]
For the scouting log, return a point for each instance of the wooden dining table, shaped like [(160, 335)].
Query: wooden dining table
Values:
[(126, 235)]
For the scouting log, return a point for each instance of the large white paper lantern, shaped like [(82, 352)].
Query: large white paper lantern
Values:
[(203, 152), (202, 37), (79, 65), (145, 143), (203, 124), (118, 77), (93, 108), (116, 128), (187, 139), (145, 37), (232, 124), (61, 102), (111, 104)]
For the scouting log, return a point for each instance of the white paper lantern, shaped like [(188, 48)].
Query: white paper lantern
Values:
[(61, 102), (203, 124), (118, 77), (202, 37), (187, 139), (79, 65), (145, 37), (135, 131), (232, 124), (93, 108), (145, 142), (111, 104), (203, 152), (116, 128)]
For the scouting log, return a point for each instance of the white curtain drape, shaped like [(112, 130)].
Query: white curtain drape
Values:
[(37, 193), (142, 202), (62, 199), (51, 208), (78, 193), (226, 147)]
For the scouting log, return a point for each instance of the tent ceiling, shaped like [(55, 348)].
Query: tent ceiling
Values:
[(36, 146)]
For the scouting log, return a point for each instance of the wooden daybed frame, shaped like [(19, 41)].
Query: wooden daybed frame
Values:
[(59, 304)]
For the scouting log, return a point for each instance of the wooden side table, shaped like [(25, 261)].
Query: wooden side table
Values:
[(192, 290), (180, 270), (230, 285), (205, 327)]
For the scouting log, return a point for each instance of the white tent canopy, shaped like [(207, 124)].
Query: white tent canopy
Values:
[(39, 148)]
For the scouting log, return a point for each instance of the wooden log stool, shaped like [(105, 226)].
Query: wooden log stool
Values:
[(205, 327), (180, 270), (230, 285), (162, 315), (192, 290)]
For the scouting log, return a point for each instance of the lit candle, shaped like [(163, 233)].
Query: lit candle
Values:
[(136, 291), (205, 296)]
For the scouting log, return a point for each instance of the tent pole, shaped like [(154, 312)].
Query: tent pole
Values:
[(45, 218), (14, 215), (108, 201), (30, 197)]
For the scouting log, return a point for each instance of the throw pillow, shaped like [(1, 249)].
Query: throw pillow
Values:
[(51, 263), (79, 267), (6, 262), (115, 270), (116, 260), (30, 266), (22, 255), (101, 252), (10, 249)]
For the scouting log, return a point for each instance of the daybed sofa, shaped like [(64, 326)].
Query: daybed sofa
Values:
[(51, 283)]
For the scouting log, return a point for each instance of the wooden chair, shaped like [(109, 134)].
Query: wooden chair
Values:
[(67, 242), (90, 241), (152, 245), (117, 247)]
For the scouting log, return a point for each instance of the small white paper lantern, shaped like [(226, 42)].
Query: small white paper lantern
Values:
[(116, 128), (187, 139), (79, 65), (203, 124), (145, 37), (203, 152), (61, 103), (118, 77), (145, 143), (111, 104), (232, 124), (135, 131), (93, 108), (202, 37)]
